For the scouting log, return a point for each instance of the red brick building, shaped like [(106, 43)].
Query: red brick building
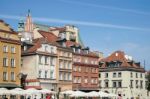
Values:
[(85, 68)]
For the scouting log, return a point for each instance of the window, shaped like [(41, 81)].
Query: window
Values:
[(60, 76), (86, 80), (99, 75), (74, 68), (136, 75), (61, 64), (65, 64), (131, 83), (100, 82), (114, 84), (40, 72), (12, 76), (52, 50), (141, 84), (146, 84), (65, 76), (86, 60), (106, 75), (119, 84), (45, 74), (95, 80), (69, 65), (21, 62), (114, 75), (5, 48), (5, 62), (4, 76), (131, 74), (25, 48), (141, 75), (79, 68), (46, 48), (46, 60), (12, 62), (106, 84), (75, 80), (119, 74), (51, 74), (40, 59), (92, 80), (68, 76), (52, 61), (12, 49), (79, 79), (136, 84)]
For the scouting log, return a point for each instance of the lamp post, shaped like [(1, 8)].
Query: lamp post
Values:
[(59, 90), (22, 78)]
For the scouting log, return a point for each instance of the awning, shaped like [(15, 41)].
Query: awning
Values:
[(8, 85)]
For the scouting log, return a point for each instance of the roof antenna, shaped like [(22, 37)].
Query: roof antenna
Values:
[(29, 12), (144, 63)]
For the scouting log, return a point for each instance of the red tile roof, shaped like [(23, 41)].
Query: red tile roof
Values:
[(48, 35), (37, 44), (70, 43), (60, 29), (119, 56)]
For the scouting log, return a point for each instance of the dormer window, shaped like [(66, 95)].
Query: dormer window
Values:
[(62, 35), (79, 50), (63, 44), (46, 48), (74, 50), (87, 51), (25, 48)]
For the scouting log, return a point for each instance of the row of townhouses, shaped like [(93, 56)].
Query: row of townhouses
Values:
[(55, 58)]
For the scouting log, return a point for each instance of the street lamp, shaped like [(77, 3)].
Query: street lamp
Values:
[(59, 90), (22, 78)]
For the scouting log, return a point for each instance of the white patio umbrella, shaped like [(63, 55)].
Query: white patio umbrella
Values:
[(93, 94), (45, 91), (31, 91), (4, 91), (17, 91), (103, 94), (78, 94), (67, 92), (113, 95)]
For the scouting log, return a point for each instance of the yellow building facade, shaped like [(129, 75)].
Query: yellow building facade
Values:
[(10, 56)]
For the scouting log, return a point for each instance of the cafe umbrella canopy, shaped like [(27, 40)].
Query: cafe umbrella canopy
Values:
[(67, 92), (4, 91)]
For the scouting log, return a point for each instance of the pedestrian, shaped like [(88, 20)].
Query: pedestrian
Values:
[(29, 97), (48, 96)]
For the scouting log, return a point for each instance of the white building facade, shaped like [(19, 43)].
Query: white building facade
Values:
[(123, 77), (39, 63)]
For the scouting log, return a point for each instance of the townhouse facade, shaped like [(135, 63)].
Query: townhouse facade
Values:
[(10, 51), (39, 63), (64, 60), (85, 71), (121, 75), (65, 68)]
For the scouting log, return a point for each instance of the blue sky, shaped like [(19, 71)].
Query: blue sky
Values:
[(105, 25)]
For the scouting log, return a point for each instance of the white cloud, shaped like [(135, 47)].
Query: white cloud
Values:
[(93, 24)]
